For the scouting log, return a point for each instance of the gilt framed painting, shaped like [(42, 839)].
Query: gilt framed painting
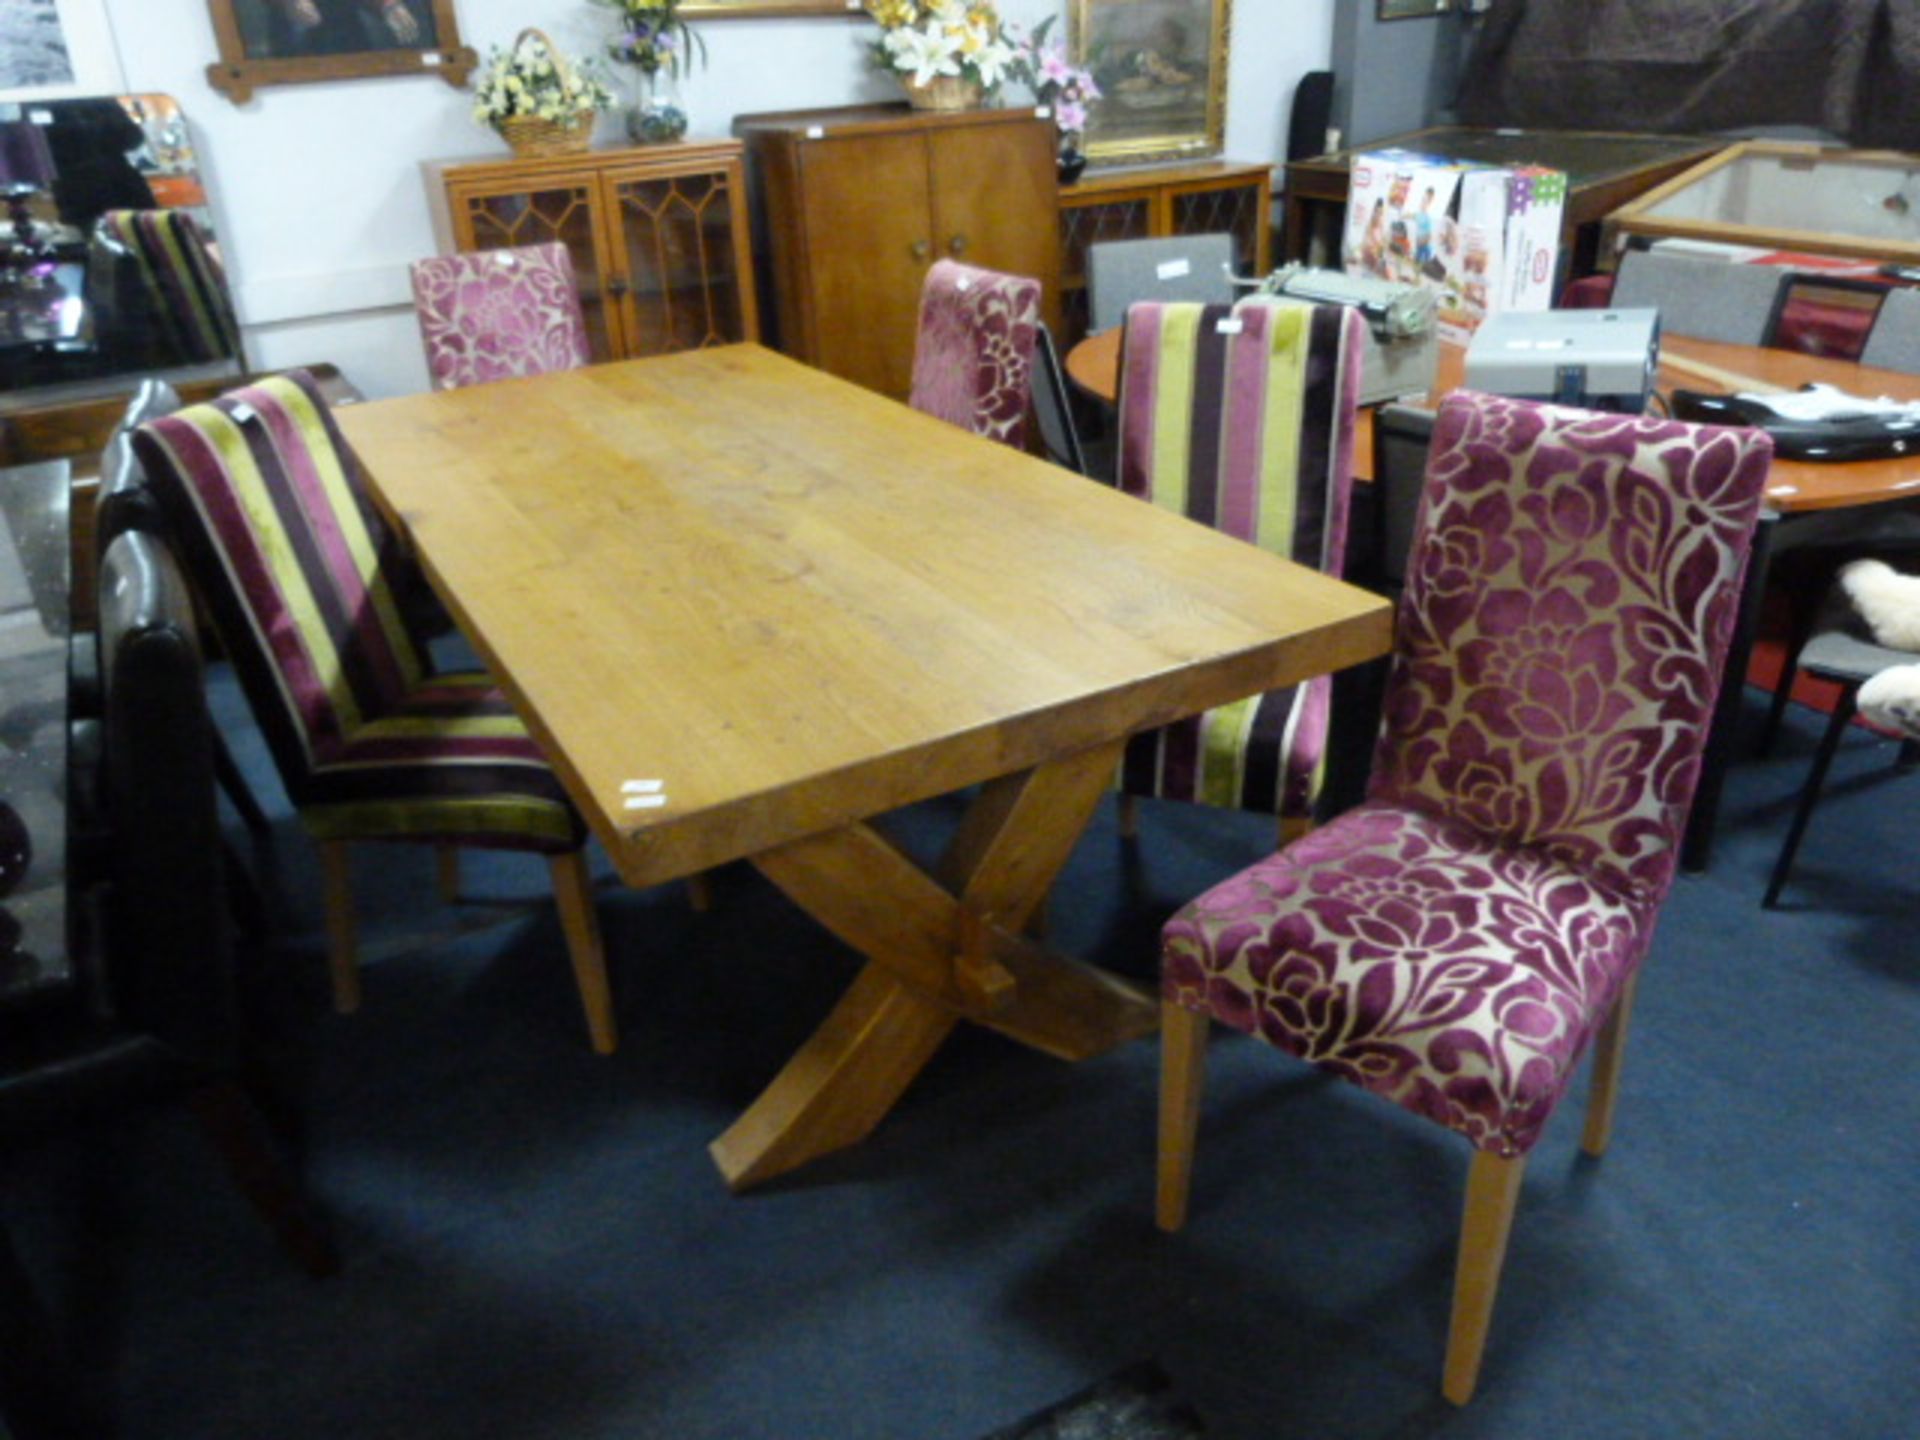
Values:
[(1161, 66), (294, 42)]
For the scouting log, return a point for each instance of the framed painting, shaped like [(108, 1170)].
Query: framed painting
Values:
[(295, 42), (57, 49), (720, 9), (1161, 66)]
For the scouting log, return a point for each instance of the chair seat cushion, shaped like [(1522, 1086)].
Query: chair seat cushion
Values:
[(451, 763), (1456, 977)]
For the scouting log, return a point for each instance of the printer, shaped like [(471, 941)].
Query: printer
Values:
[(1403, 351), (1597, 359)]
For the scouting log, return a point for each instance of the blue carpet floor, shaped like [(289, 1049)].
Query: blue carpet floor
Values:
[(536, 1244)]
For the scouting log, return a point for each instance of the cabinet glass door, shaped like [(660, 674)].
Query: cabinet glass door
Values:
[(1127, 217), (1235, 209), (676, 237), (563, 212)]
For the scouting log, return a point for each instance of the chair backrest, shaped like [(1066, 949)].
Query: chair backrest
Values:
[(973, 354), (1243, 420), (1402, 435), (1574, 584), (268, 511), (1705, 298), (182, 279), (1894, 341), (1053, 406), (167, 939), (1177, 267), (123, 501), (496, 314)]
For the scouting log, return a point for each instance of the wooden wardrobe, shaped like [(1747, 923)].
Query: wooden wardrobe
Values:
[(853, 205)]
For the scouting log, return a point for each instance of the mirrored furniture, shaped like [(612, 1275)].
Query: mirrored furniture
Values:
[(33, 732), (108, 263)]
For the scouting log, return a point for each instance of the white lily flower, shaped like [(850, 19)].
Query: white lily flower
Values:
[(926, 55)]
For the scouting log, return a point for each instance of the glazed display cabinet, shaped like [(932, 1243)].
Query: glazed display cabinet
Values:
[(658, 235)]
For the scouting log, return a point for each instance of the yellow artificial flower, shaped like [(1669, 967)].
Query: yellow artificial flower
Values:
[(893, 12)]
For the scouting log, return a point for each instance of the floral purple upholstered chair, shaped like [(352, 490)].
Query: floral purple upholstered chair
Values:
[(1243, 420), (973, 356), (495, 314), (1456, 942)]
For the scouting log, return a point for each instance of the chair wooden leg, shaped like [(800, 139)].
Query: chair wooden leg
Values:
[(341, 960), (1493, 1186), (1129, 817), (234, 1125), (1604, 1091), (700, 893), (448, 858), (1183, 1072), (573, 893)]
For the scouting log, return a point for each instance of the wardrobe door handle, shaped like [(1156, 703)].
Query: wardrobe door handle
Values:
[(921, 249), (958, 244)]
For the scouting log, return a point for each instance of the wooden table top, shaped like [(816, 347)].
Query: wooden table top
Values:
[(1685, 364), (784, 603)]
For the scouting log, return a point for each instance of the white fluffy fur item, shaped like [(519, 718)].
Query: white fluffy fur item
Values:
[(1890, 604)]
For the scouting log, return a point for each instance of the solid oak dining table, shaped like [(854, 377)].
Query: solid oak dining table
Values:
[(748, 608)]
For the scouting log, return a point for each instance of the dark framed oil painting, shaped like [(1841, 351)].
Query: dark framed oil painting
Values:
[(293, 42)]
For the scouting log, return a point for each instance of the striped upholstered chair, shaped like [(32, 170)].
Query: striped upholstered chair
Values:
[(495, 314), (269, 510), (1455, 943), (181, 277), (973, 354), (1242, 420)]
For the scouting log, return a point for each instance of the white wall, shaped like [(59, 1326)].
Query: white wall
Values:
[(317, 189)]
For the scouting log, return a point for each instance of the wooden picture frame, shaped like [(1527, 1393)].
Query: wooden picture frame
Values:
[(770, 9), (298, 42), (1161, 66)]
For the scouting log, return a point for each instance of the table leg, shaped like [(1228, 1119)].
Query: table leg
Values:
[(941, 948)]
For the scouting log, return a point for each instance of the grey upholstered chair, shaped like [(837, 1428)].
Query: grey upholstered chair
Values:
[(1707, 299), (1894, 341), (1843, 651), (1177, 267)]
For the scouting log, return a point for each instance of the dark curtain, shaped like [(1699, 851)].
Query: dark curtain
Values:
[(1848, 66)]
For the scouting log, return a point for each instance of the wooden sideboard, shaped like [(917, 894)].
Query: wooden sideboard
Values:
[(856, 203), (658, 235), (1146, 203)]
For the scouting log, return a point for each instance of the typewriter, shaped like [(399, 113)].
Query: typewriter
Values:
[(1403, 349)]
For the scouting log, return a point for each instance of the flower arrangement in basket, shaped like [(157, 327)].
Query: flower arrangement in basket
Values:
[(539, 101), (948, 53)]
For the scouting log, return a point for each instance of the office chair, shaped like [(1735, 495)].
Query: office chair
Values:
[(1174, 268)]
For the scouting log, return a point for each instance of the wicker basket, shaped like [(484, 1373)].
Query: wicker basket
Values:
[(529, 135), (944, 92)]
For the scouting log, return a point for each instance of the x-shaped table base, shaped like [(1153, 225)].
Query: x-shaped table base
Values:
[(940, 948)]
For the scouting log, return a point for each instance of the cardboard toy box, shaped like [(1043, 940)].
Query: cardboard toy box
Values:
[(1483, 238)]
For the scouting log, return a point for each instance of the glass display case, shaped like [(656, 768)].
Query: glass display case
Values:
[(1778, 196)]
